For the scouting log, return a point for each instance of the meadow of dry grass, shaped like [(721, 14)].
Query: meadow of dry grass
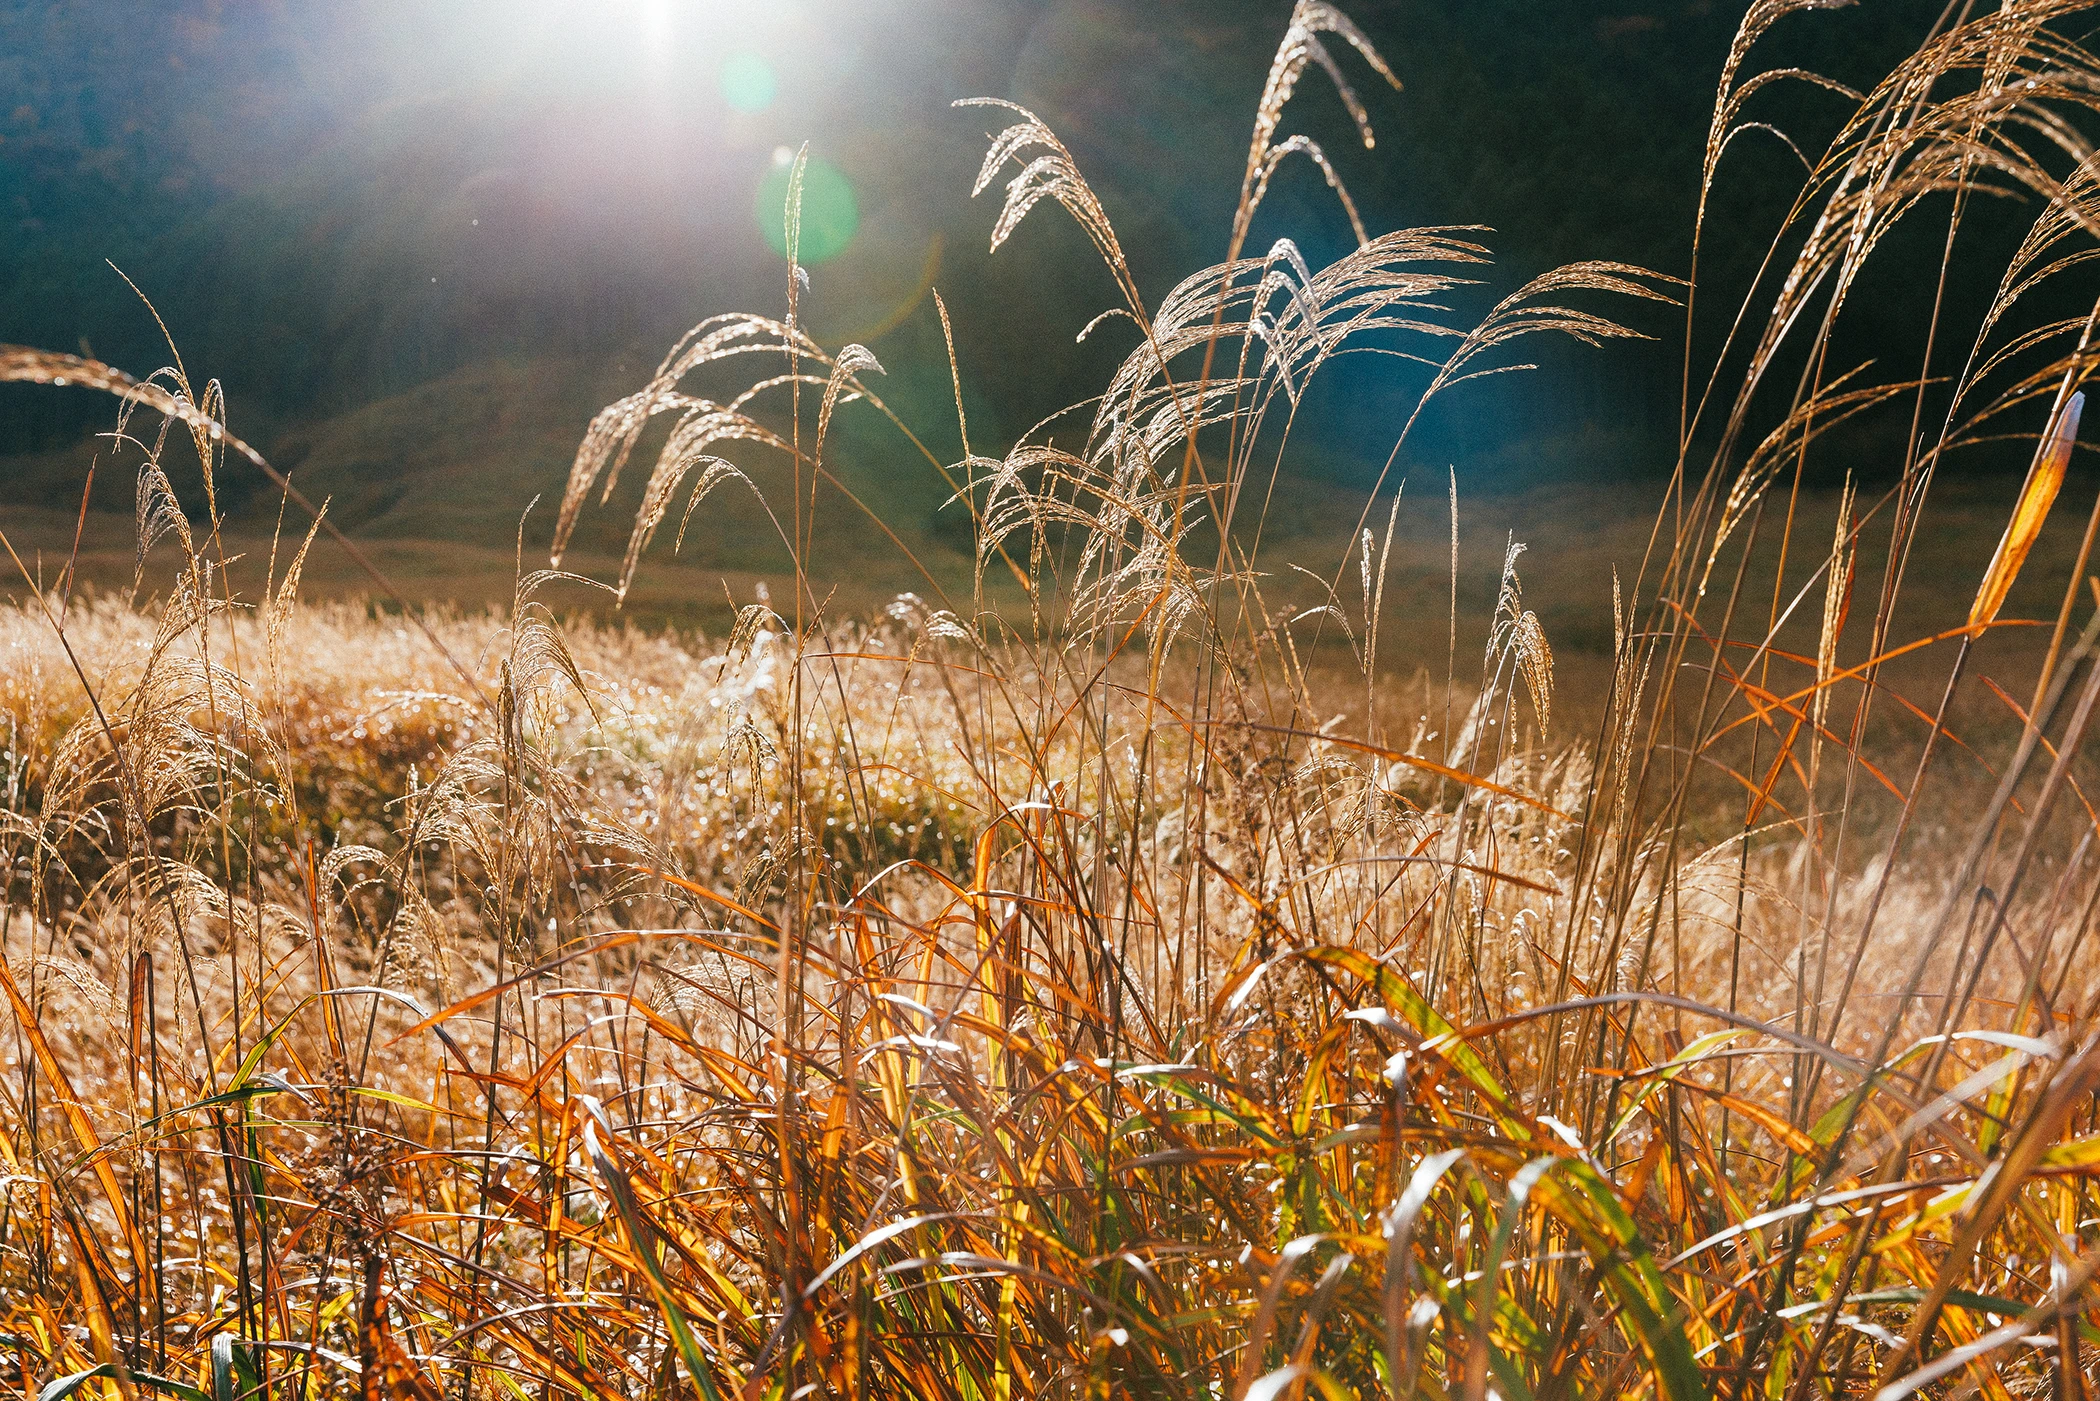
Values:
[(1125, 965)]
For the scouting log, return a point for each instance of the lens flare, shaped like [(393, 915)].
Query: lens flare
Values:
[(830, 212), (748, 83)]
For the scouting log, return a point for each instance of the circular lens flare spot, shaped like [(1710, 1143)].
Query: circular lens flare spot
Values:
[(748, 83), (830, 213)]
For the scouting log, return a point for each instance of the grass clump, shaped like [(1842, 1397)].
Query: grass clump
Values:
[(1033, 991)]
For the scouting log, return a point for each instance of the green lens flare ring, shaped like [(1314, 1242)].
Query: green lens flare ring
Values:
[(830, 213)]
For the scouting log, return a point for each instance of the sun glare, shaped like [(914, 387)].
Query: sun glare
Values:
[(656, 17), (666, 38)]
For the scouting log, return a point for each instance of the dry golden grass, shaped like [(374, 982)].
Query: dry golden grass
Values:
[(1112, 979)]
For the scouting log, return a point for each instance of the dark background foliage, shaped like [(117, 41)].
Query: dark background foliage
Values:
[(488, 219)]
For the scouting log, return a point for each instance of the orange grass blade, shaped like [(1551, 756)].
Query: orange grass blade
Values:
[(1413, 761), (83, 1127), (704, 893)]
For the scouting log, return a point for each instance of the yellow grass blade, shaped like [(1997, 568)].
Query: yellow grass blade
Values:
[(2044, 480)]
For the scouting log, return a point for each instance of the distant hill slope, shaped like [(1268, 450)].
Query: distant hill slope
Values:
[(435, 482), (458, 463)]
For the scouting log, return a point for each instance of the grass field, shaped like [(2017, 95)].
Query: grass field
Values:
[(1166, 944)]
